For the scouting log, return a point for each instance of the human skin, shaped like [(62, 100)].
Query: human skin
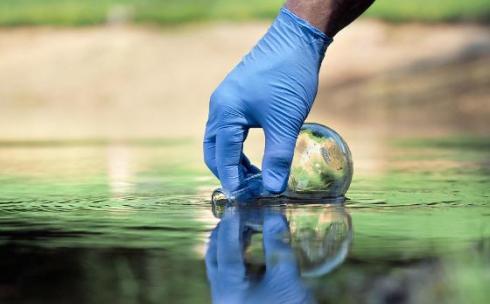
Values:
[(330, 16)]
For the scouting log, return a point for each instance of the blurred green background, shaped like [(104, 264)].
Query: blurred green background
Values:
[(75, 12)]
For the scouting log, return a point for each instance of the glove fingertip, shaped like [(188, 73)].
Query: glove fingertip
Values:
[(275, 181)]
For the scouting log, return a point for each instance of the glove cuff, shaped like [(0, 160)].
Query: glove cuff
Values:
[(308, 30)]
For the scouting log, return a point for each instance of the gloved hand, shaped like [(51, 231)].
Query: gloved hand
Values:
[(225, 261), (273, 87)]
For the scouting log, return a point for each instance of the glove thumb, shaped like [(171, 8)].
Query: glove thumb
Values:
[(278, 156)]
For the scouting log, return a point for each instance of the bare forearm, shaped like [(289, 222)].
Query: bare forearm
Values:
[(330, 16)]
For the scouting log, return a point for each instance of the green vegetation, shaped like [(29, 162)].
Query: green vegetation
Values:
[(431, 11), (86, 12)]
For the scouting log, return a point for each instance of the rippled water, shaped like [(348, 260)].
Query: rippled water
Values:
[(97, 222)]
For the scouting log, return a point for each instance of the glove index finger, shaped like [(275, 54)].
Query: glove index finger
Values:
[(229, 146), (209, 148)]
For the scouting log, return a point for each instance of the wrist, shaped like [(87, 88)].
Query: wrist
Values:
[(316, 12), (308, 29)]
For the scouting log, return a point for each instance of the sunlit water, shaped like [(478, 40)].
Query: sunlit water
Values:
[(97, 222)]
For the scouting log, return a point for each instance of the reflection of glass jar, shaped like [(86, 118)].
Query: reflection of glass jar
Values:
[(320, 236)]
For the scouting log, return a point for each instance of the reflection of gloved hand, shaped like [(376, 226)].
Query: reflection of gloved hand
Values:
[(273, 87), (226, 269)]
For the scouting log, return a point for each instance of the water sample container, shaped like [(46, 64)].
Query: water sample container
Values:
[(322, 165), (321, 169)]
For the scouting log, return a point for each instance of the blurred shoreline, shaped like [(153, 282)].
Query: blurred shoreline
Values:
[(133, 82)]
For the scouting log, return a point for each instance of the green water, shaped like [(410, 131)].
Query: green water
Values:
[(99, 222)]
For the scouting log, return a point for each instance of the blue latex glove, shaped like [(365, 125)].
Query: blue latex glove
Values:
[(225, 262), (273, 87)]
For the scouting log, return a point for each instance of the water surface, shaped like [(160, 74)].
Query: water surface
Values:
[(130, 222)]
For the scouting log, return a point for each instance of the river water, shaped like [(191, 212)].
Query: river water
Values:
[(132, 222)]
